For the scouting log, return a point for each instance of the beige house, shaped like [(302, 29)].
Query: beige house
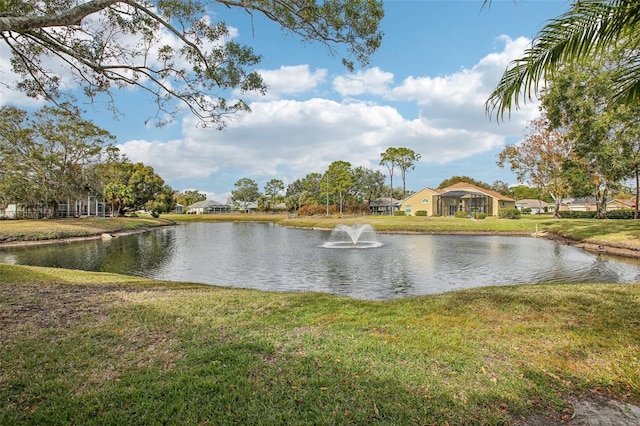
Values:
[(461, 197), (587, 204)]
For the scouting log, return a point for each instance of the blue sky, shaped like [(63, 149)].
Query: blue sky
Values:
[(424, 89)]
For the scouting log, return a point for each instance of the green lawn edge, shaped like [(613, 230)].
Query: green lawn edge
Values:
[(97, 348)]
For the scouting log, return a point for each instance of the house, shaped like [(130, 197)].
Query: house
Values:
[(461, 197), (621, 204), (208, 207), (384, 205), (534, 206)]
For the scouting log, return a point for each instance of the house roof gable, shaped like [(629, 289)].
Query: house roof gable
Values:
[(465, 185)]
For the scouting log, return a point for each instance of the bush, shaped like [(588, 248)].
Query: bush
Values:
[(398, 213), (316, 210), (461, 214), (509, 214), (621, 214), (421, 213), (567, 214)]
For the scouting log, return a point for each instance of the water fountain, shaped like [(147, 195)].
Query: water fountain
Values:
[(345, 236)]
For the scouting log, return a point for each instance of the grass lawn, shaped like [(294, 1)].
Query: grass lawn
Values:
[(91, 348), (47, 229)]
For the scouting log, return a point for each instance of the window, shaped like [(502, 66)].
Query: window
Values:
[(425, 201), (407, 209)]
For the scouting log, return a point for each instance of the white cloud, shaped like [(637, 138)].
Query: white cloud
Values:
[(289, 80), (373, 81)]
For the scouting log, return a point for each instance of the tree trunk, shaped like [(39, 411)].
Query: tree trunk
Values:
[(635, 214)]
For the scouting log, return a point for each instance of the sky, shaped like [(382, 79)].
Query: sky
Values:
[(424, 89)]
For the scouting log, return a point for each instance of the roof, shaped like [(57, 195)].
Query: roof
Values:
[(461, 193), (468, 186), (529, 202), (205, 204)]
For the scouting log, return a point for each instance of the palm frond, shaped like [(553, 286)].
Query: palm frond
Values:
[(588, 28)]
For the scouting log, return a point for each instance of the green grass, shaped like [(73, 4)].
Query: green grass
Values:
[(48, 229), (90, 348)]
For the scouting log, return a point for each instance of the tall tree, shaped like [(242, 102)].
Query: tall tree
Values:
[(172, 50), (579, 100), (246, 192), (389, 159), (368, 184), (274, 192), (338, 180), (406, 159), (589, 28), (48, 157), (540, 160)]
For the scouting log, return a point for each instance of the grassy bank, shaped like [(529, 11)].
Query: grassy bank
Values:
[(49, 229), (87, 348)]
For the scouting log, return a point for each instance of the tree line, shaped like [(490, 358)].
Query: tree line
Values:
[(339, 189), (584, 142), (54, 157)]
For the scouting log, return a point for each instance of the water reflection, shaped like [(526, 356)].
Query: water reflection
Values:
[(268, 257)]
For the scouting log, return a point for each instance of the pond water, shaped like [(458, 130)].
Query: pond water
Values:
[(269, 257)]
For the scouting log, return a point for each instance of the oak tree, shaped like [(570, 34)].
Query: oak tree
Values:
[(178, 52)]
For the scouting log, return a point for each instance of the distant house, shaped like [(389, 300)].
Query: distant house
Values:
[(208, 207), (384, 205), (535, 206), (621, 204), (587, 204), (461, 197)]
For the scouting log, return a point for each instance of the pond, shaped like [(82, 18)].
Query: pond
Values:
[(269, 257)]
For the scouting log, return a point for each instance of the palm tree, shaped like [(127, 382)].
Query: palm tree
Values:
[(588, 28)]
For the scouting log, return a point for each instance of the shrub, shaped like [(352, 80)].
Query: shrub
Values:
[(621, 214), (567, 214), (398, 213), (509, 214), (461, 214), (316, 210), (421, 213)]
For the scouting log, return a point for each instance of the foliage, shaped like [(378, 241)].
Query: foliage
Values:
[(421, 213), (622, 214), (509, 214), (403, 158), (273, 193), (180, 53), (457, 179), (579, 101), (367, 184), (588, 29), (317, 210), (460, 214), (134, 186), (187, 198), (120, 196), (338, 180), (574, 214), (399, 213), (540, 159), (524, 192), (49, 157), (246, 192)]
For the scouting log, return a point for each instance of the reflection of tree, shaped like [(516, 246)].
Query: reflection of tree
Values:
[(133, 254), (138, 254)]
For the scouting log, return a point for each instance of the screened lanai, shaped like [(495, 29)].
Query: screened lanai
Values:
[(470, 202)]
